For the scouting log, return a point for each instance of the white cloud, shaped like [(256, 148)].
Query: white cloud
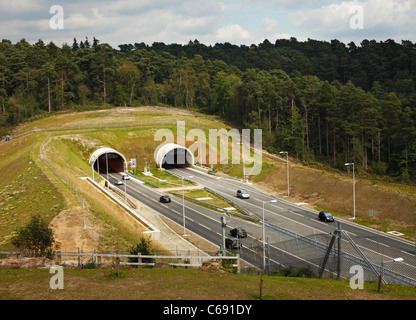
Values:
[(233, 33), (383, 19), (210, 21)]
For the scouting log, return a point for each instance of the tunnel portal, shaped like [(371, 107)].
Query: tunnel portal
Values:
[(171, 155), (104, 159)]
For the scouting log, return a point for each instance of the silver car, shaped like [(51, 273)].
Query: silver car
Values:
[(243, 194)]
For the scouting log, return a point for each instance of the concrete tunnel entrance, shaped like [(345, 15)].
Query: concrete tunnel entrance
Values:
[(171, 155), (107, 158)]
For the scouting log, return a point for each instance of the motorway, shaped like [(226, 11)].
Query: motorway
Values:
[(376, 246), (202, 221)]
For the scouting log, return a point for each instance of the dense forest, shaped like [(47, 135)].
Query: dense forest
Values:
[(322, 101)]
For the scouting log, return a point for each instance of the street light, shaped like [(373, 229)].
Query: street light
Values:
[(264, 234), (382, 270), (353, 184), (125, 182), (200, 153), (287, 165), (183, 208), (244, 168)]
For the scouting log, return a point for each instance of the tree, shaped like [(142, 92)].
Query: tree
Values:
[(36, 237), (48, 71), (103, 66), (129, 76), (75, 45), (144, 247)]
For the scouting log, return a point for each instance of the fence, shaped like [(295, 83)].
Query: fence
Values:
[(311, 251), (97, 258)]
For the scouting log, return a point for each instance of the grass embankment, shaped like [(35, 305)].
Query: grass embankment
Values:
[(74, 136), (183, 284), (25, 189)]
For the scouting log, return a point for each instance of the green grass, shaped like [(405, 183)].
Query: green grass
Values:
[(25, 189), (201, 193), (183, 284)]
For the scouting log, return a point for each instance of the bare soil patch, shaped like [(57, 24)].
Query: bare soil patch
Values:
[(69, 231)]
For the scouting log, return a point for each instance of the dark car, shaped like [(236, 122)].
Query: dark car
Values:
[(165, 199), (239, 232), (325, 216), (233, 243)]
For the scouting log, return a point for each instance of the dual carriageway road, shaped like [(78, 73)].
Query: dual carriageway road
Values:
[(377, 246)]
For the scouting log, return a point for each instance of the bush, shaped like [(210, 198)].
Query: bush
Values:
[(301, 272), (36, 237), (144, 247)]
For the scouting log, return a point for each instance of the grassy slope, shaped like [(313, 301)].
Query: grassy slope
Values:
[(183, 284), (24, 188)]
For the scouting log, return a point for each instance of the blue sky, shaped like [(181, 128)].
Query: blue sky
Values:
[(209, 21)]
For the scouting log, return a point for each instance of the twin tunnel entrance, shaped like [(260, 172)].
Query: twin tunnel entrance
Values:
[(166, 156)]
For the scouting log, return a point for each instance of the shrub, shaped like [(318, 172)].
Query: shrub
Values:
[(144, 247), (36, 237), (301, 272)]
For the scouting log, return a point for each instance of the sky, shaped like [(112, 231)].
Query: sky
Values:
[(210, 21)]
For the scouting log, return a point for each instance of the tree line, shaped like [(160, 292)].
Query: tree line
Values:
[(321, 101)]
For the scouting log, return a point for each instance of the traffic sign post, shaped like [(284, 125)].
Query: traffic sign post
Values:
[(133, 164)]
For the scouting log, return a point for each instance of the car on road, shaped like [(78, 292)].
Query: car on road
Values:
[(325, 216), (243, 194), (165, 199), (118, 182), (233, 243), (239, 232), (125, 176)]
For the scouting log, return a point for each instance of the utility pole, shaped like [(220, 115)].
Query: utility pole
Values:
[(223, 225)]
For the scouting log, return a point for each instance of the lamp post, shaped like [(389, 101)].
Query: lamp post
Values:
[(264, 234), (125, 182), (353, 184), (382, 270), (287, 165), (200, 153), (244, 168), (106, 160), (183, 208)]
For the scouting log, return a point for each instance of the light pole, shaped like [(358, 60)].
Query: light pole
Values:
[(382, 270), (125, 182), (183, 208), (244, 168), (353, 184), (200, 153), (287, 165), (264, 234), (106, 160)]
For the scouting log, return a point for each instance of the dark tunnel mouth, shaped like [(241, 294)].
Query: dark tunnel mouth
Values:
[(115, 163), (177, 158)]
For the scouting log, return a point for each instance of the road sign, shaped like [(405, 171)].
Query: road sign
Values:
[(133, 163)]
